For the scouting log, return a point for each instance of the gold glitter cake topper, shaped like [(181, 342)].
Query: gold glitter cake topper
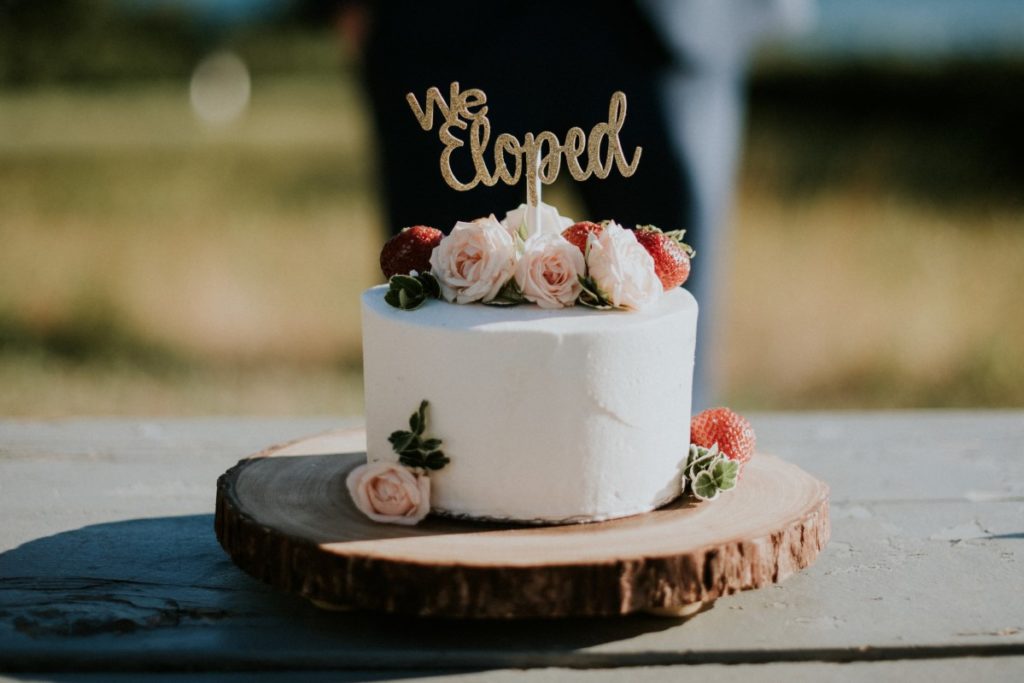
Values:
[(541, 155)]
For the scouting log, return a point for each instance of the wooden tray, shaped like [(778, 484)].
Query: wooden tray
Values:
[(285, 516)]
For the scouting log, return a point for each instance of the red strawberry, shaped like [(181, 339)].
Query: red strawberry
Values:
[(409, 250), (731, 431), (578, 232), (671, 256)]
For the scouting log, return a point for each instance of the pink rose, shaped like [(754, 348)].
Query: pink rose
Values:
[(622, 268), (474, 261), (388, 492), (548, 271)]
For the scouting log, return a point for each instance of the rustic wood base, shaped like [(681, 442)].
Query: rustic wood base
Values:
[(285, 517)]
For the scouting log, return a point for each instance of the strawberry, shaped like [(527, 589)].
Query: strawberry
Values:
[(578, 232), (409, 250), (731, 431), (671, 256)]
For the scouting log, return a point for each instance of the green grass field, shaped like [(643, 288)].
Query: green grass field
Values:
[(149, 265)]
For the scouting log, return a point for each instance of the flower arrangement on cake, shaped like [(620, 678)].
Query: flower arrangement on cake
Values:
[(555, 264), (548, 414)]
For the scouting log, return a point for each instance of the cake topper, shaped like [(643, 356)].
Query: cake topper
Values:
[(541, 154)]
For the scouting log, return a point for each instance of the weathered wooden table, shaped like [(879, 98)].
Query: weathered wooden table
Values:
[(109, 569)]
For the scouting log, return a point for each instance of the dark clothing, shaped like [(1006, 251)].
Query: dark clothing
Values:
[(543, 66)]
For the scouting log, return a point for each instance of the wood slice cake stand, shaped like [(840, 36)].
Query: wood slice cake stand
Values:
[(285, 516)]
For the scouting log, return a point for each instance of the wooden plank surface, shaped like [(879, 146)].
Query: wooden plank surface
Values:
[(989, 670), (108, 560)]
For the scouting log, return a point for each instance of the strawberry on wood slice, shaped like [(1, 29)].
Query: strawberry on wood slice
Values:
[(729, 430)]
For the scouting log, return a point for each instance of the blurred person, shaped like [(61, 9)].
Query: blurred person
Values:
[(554, 65)]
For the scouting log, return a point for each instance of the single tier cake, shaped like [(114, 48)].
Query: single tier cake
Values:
[(547, 415)]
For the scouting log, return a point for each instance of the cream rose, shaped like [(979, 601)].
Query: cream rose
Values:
[(550, 221), (474, 261), (622, 268), (548, 271), (388, 492)]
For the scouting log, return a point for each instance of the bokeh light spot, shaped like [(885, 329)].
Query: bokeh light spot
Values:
[(220, 88)]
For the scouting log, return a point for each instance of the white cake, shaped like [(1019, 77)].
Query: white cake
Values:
[(547, 416)]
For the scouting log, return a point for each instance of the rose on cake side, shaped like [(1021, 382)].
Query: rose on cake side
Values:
[(389, 493), (399, 492)]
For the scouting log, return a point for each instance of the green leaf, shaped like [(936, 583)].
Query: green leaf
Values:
[(422, 412), (414, 451), (411, 460), (406, 292), (401, 440), (408, 283), (725, 472), (398, 299), (701, 459), (710, 472), (704, 486), (431, 288), (592, 296), (436, 460), (508, 295)]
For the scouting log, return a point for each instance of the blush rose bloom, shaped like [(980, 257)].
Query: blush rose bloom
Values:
[(474, 261), (390, 493), (622, 268), (548, 271), (550, 220)]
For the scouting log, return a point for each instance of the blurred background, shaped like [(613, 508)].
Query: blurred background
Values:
[(188, 210)]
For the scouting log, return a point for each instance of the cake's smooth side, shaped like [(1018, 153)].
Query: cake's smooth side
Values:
[(547, 416)]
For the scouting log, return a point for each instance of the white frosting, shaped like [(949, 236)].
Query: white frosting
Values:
[(547, 415)]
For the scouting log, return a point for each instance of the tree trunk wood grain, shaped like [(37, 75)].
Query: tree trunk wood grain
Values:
[(285, 516)]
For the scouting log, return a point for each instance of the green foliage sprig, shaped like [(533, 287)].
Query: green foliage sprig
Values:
[(592, 296), (509, 295), (414, 448), (709, 472), (409, 292)]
